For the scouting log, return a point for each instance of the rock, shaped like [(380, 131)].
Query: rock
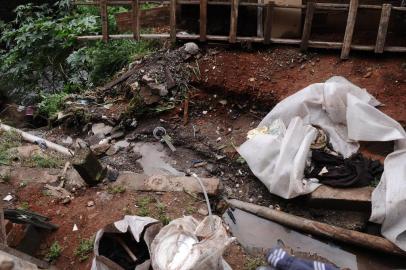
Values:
[(31, 175), (169, 81), (147, 79), (112, 174), (80, 144), (90, 203), (101, 128), (89, 167), (122, 144), (203, 211), (158, 89), (100, 149), (73, 180), (26, 151), (148, 97), (112, 150), (67, 141), (142, 182), (117, 135), (95, 139), (191, 48), (368, 74)]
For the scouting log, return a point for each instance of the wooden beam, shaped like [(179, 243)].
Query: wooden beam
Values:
[(260, 19), (349, 30), (104, 19), (203, 20), (233, 21), (135, 16), (268, 22), (3, 235), (383, 28), (172, 21), (307, 27)]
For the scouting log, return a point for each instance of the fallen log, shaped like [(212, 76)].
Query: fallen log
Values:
[(319, 228), (34, 139)]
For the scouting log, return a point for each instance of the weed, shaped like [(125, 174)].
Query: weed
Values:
[(162, 214), (51, 104), (54, 251), (8, 141), (44, 161), (253, 263), (190, 210), (116, 190), (24, 206), (84, 249), (143, 206), (147, 5)]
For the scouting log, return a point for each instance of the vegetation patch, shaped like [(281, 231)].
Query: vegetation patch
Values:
[(84, 249), (54, 252)]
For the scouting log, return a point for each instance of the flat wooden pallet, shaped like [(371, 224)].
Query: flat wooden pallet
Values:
[(264, 28)]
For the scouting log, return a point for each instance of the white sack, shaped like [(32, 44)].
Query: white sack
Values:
[(347, 113)]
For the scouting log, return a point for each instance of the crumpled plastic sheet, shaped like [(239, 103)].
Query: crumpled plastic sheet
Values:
[(347, 114), (186, 244)]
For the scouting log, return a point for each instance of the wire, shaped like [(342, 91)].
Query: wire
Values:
[(204, 192)]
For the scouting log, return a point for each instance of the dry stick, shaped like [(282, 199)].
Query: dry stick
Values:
[(349, 30), (104, 19), (34, 139), (383, 28), (186, 110), (321, 229), (268, 22), (307, 28), (135, 14), (203, 20), (172, 21), (233, 21)]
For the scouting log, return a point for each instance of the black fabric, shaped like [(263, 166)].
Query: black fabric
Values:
[(355, 171)]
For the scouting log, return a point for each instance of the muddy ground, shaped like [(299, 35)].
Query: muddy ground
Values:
[(235, 90)]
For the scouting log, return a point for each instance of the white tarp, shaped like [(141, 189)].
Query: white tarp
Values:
[(347, 114)]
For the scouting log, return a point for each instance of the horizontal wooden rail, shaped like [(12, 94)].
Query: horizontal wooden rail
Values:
[(323, 6)]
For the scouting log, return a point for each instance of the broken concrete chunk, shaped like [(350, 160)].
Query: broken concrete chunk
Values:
[(142, 182), (11, 262), (191, 48), (31, 175), (100, 149), (101, 128), (73, 180), (88, 166), (342, 198), (158, 89), (26, 151)]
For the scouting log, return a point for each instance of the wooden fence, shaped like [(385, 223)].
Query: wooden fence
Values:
[(265, 28)]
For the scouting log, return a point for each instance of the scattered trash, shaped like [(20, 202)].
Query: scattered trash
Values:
[(8, 198), (126, 243), (160, 134)]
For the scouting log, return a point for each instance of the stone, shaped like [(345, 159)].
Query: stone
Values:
[(147, 79), (26, 151), (101, 128), (68, 141), (203, 211), (112, 150), (89, 167), (117, 135), (341, 198), (73, 180), (80, 144), (112, 174), (142, 182), (158, 89), (122, 144), (31, 175), (95, 139), (100, 149), (148, 97), (90, 203), (191, 48)]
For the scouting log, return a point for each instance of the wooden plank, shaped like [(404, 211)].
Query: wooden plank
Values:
[(349, 30), (3, 235), (105, 20), (307, 27), (260, 19), (268, 22), (172, 21), (135, 16), (233, 21), (383, 28), (203, 20)]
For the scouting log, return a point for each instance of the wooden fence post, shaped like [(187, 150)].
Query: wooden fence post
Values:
[(172, 21), (203, 20), (105, 20), (383, 28), (307, 27), (233, 21), (349, 30), (135, 15)]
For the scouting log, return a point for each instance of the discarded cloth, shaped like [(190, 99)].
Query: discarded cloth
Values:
[(279, 259), (347, 114), (336, 171)]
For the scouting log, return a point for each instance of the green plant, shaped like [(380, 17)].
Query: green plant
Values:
[(162, 214), (8, 141), (116, 189), (253, 263), (84, 249), (143, 206), (51, 103), (148, 5), (54, 251), (44, 161), (24, 206)]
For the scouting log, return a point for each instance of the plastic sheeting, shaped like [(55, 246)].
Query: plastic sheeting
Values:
[(347, 114)]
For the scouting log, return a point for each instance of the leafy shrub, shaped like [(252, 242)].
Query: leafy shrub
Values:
[(51, 104), (84, 249), (54, 252)]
